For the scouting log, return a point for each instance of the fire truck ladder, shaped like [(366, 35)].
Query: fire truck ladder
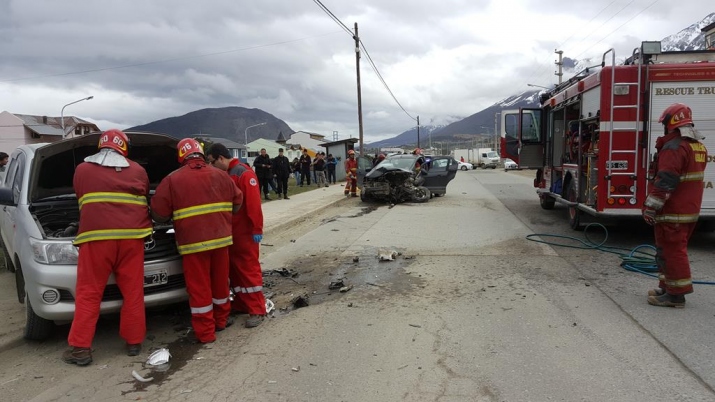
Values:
[(611, 165)]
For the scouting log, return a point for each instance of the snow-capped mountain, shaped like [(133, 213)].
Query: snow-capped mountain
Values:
[(690, 38)]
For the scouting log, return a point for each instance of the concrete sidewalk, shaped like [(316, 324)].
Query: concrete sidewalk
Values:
[(278, 214)]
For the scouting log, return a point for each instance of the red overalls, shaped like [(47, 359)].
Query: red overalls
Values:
[(245, 268), (114, 220), (351, 167), (200, 200), (676, 194)]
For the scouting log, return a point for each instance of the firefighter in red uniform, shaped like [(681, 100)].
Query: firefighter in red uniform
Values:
[(200, 200), (351, 167), (245, 269), (673, 203), (114, 220)]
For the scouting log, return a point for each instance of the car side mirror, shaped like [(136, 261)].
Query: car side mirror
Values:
[(6, 197)]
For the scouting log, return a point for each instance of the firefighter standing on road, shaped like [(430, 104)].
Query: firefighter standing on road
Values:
[(673, 203), (245, 269), (114, 220), (351, 167), (200, 200)]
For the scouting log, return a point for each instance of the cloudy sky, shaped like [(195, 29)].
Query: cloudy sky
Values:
[(147, 60)]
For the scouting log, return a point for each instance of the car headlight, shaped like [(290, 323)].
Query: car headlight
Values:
[(54, 252)]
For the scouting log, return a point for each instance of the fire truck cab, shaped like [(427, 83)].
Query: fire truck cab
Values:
[(593, 138)]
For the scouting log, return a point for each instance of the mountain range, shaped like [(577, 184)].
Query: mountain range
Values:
[(233, 122)]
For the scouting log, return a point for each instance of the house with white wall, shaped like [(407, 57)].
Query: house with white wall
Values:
[(20, 129)]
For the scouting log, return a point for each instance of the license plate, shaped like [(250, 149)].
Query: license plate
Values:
[(155, 278)]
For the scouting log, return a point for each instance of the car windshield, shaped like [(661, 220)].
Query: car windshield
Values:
[(399, 162), (491, 154)]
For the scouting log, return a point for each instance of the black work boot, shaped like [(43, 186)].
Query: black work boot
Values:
[(667, 300), (78, 356), (133, 349)]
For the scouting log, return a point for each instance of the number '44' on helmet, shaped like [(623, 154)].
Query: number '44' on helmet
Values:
[(187, 147), (116, 140), (676, 115)]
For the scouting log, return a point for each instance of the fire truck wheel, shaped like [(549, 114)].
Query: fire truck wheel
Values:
[(574, 213), (547, 202)]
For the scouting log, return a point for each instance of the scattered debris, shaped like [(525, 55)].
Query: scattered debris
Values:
[(186, 391), (334, 230), (346, 289), (272, 381), (300, 301), (387, 255), (313, 364), (102, 367), (415, 325), (159, 357), (292, 241), (269, 306), (356, 259), (350, 304), (401, 367), (296, 369), (409, 257), (140, 378), (336, 284), (375, 284)]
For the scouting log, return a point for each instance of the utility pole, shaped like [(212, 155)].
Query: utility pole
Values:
[(418, 131), (359, 92), (559, 63)]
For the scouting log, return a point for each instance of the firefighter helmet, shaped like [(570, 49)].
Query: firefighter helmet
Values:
[(351, 152), (116, 140), (417, 151), (676, 115), (188, 147), (381, 157)]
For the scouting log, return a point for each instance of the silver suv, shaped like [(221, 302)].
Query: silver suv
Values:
[(39, 221)]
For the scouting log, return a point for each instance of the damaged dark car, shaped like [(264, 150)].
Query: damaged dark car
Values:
[(407, 178)]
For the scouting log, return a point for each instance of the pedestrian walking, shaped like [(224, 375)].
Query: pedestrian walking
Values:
[(114, 220), (262, 163), (245, 269), (351, 174), (201, 200), (305, 162), (281, 171), (330, 164), (674, 201)]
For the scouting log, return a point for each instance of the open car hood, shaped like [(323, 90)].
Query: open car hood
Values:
[(54, 164)]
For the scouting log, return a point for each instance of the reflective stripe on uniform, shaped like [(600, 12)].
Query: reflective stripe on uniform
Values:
[(679, 218), (695, 176), (679, 283), (205, 245), (220, 301), (202, 310), (252, 289), (123, 198), (202, 210), (112, 234)]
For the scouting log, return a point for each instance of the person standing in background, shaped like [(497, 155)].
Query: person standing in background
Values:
[(281, 171)]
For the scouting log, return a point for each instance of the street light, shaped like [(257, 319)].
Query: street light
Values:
[(245, 133), (62, 112)]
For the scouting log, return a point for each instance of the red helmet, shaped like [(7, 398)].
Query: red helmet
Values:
[(381, 157), (676, 115), (417, 151), (351, 152), (116, 140), (187, 147)]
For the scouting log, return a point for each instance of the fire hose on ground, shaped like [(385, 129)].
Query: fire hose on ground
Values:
[(640, 259)]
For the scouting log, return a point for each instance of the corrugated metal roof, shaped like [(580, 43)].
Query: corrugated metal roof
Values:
[(48, 125)]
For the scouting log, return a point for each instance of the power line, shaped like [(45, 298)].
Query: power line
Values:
[(374, 67), (163, 60), (336, 19)]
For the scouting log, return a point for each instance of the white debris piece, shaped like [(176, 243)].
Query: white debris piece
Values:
[(269, 306), (140, 378), (387, 255), (159, 357)]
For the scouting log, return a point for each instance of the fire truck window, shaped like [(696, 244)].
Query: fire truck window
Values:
[(529, 128), (511, 126)]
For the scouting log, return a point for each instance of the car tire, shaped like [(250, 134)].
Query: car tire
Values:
[(364, 197), (20, 285), (547, 202), (483, 166), (422, 194), (36, 327), (464, 168)]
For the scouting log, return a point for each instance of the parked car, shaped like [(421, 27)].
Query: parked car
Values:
[(396, 178), (510, 165), (39, 221), (465, 165)]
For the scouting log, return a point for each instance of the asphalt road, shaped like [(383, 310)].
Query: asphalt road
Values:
[(468, 311)]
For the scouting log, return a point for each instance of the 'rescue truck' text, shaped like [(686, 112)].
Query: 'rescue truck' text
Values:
[(594, 136)]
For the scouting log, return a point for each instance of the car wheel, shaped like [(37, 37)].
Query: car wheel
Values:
[(547, 202), (494, 167), (20, 285), (483, 166), (36, 327), (422, 194), (574, 213), (464, 168)]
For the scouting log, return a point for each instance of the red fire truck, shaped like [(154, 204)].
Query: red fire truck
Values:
[(594, 136)]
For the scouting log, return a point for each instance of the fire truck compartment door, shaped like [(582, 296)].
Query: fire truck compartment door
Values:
[(531, 141)]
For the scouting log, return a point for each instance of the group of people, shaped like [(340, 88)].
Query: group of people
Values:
[(274, 173), (214, 202)]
